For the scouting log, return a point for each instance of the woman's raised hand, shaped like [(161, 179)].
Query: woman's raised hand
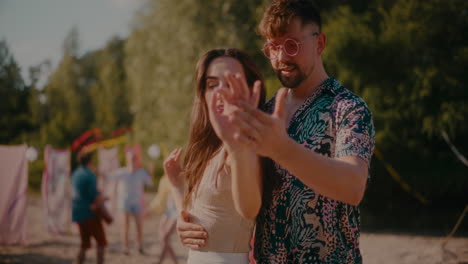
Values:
[(173, 169)]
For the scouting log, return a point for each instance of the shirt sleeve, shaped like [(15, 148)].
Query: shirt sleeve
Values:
[(355, 132)]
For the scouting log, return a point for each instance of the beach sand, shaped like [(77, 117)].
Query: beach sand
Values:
[(44, 248)]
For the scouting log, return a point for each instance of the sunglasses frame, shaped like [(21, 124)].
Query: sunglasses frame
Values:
[(282, 46)]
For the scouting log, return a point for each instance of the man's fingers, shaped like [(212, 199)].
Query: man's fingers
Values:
[(185, 227), (237, 85), (191, 235), (214, 99), (248, 125), (226, 95), (202, 235), (257, 90), (232, 84), (217, 118), (228, 76), (255, 112), (193, 243), (245, 140), (244, 87), (195, 247), (184, 218), (280, 109)]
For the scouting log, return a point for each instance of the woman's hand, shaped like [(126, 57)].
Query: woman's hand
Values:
[(173, 169)]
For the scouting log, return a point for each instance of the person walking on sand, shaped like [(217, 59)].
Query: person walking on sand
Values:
[(84, 196), (130, 192)]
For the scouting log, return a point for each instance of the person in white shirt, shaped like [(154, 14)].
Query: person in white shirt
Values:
[(132, 180)]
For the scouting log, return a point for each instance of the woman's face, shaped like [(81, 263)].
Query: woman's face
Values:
[(215, 79)]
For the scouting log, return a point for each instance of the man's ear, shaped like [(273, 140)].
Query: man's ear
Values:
[(321, 43)]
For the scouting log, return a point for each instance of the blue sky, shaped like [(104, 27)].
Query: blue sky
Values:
[(35, 29)]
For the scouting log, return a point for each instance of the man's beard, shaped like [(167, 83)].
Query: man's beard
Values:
[(291, 81)]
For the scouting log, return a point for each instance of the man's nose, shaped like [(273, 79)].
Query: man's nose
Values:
[(282, 55)]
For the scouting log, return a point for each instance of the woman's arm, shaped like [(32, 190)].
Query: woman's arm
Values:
[(173, 171), (246, 176), (158, 203), (246, 173)]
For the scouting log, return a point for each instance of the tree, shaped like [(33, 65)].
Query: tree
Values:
[(14, 117), (108, 91), (408, 61), (161, 53), (68, 108)]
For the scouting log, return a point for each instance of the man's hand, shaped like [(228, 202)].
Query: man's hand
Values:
[(238, 90), (98, 201), (260, 130), (191, 235)]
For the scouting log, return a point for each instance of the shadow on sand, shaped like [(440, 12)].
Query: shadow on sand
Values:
[(33, 259)]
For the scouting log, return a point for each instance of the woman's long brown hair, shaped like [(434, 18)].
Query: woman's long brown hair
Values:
[(203, 141)]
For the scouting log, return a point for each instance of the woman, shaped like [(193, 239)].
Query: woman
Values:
[(165, 203), (223, 177)]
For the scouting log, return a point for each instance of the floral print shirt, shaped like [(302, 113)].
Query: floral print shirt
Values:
[(299, 225)]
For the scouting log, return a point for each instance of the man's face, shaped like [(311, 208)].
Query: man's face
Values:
[(91, 166), (293, 70)]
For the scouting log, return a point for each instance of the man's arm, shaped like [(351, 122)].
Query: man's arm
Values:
[(343, 178), (191, 235)]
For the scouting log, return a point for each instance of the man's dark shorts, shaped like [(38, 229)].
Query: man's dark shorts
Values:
[(92, 228)]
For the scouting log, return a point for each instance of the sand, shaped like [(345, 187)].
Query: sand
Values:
[(44, 248)]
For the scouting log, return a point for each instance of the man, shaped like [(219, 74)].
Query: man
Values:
[(85, 195), (320, 137)]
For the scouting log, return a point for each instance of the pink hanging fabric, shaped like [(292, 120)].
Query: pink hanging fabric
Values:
[(56, 193), (108, 161), (13, 194)]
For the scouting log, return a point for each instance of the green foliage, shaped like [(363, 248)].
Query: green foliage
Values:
[(36, 169), (108, 90), (68, 106), (161, 56), (14, 110), (406, 58), (83, 93), (408, 63)]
